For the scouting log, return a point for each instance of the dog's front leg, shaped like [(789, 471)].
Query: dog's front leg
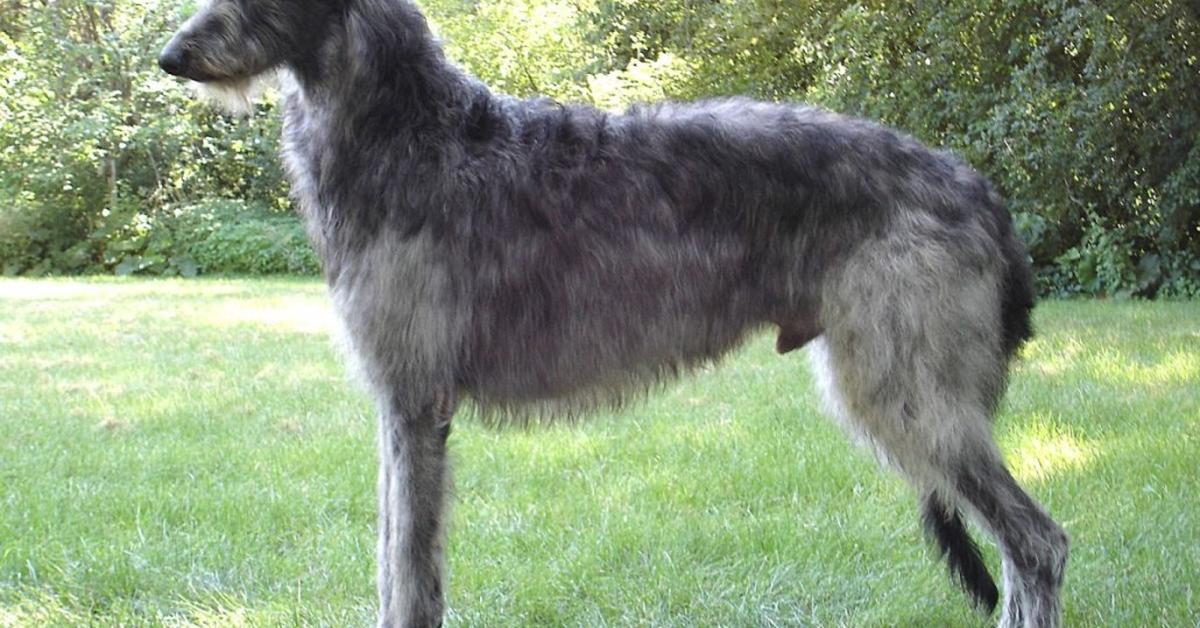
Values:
[(412, 485)]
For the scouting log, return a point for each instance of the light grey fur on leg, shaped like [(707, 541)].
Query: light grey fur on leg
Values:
[(1011, 615), (399, 324), (1033, 546), (911, 364), (412, 486)]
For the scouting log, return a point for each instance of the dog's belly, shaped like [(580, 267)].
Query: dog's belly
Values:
[(608, 318)]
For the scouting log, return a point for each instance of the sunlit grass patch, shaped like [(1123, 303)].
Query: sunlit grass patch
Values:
[(1039, 451), (1052, 360), (1173, 368), (285, 314), (41, 608)]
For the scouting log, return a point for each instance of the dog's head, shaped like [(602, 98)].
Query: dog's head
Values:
[(228, 44)]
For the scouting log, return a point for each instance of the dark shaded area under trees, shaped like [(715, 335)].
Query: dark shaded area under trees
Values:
[(1085, 114)]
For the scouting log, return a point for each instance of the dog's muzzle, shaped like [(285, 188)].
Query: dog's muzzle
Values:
[(180, 58), (173, 60)]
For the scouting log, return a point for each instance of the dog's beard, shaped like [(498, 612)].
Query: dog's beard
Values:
[(236, 96)]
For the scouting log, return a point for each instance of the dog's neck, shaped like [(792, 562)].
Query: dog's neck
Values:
[(382, 63)]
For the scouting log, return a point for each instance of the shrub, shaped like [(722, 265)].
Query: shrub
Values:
[(230, 237), (1085, 115), (96, 143), (218, 236)]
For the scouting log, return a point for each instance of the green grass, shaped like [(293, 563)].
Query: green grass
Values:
[(189, 452)]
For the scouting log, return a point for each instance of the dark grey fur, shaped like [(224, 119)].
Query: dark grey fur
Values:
[(525, 253)]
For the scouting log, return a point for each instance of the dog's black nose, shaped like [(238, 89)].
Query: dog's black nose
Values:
[(173, 60)]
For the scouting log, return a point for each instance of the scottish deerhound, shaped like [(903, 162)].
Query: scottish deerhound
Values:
[(523, 253)]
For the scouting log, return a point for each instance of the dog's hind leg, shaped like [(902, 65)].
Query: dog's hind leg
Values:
[(412, 485), (1033, 546), (911, 361)]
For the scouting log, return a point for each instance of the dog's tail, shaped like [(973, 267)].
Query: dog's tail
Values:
[(1017, 293), (1016, 301), (945, 527)]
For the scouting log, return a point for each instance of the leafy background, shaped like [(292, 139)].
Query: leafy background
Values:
[(1085, 114)]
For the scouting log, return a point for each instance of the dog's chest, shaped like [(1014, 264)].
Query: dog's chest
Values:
[(397, 301), (304, 136)]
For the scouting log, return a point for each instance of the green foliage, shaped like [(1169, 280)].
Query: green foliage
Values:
[(520, 47), (749, 47), (232, 238), (213, 237), (96, 143), (1085, 115)]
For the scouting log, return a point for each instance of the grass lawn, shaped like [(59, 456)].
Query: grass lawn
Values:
[(189, 452)]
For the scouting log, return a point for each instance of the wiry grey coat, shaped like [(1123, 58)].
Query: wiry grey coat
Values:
[(529, 254)]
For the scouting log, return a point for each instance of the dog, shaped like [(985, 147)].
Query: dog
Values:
[(543, 258)]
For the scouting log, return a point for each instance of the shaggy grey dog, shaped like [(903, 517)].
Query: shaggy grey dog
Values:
[(526, 254)]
